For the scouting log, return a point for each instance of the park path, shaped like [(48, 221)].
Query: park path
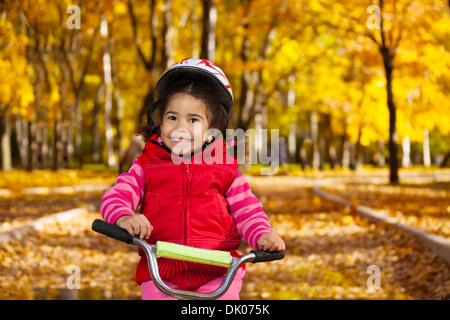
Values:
[(330, 250)]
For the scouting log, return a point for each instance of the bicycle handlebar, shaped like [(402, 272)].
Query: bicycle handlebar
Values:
[(186, 253), (112, 231), (118, 233), (265, 256)]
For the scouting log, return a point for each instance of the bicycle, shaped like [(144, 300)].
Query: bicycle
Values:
[(186, 253)]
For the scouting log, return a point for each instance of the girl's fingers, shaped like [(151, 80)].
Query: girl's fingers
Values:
[(282, 246), (137, 225), (150, 229), (143, 228), (136, 228), (270, 244), (146, 227), (274, 243), (130, 229)]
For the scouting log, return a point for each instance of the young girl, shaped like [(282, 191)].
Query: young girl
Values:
[(184, 197)]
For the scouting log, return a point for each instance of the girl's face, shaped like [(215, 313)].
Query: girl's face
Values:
[(184, 124)]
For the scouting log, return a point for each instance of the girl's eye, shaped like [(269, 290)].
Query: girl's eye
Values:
[(194, 120), (171, 118)]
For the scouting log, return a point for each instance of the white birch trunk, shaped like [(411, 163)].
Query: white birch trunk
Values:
[(426, 149), (111, 158)]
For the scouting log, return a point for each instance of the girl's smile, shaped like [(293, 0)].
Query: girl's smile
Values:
[(184, 124)]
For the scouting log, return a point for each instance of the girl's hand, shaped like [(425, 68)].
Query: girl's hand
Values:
[(271, 242), (137, 225)]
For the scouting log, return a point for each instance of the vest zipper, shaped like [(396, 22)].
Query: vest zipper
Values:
[(186, 201), (188, 180)]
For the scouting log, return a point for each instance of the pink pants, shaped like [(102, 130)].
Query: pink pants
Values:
[(151, 292)]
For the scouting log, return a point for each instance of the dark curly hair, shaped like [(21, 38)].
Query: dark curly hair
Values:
[(215, 113)]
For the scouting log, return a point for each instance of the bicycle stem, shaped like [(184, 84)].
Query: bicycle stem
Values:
[(150, 252)]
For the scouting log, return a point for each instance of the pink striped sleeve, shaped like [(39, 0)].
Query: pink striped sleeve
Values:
[(247, 211), (125, 196)]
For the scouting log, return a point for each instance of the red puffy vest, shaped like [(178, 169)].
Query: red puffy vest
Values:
[(185, 204)]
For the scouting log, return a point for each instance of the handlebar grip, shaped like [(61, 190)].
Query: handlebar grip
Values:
[(264, 256), (112, 231)]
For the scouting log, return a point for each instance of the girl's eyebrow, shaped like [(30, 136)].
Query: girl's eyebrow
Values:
[(189, 114), (195, 115)]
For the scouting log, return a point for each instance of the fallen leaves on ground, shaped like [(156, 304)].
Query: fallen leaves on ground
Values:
[(329, 251), (41, 265), (18, 180), (17, 210), (424, 206)]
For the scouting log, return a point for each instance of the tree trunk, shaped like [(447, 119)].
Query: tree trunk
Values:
[(44, 161), (246, 95), (346, 152), (426, 149), (406, 148), (388, 59), (42, 146), (57, 143), (195, 48), (5, 130), (328, 137), (117, 99), (154, 36), (32, 146), (96, 156), (79, 128), (149, 64), (302, 154), (111, 159), (22, 140), (58, 152), (292, 143), (380, 157), (168, 31), (209, 30), (358, 151), (315, 154), (70, 123)]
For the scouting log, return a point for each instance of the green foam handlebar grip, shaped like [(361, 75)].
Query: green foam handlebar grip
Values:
[(186, 253)]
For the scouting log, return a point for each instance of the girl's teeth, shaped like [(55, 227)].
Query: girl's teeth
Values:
[(179, 139)]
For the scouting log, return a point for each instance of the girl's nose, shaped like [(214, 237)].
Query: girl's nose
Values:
[(181, 127)]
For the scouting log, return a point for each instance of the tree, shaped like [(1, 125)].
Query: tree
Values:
[(391, 26), (321, 72), (208, 43), (388, 47), (77, 61), (151, 64), (16, 90)]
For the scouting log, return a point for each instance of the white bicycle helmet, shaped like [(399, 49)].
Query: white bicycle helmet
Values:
[(199, 70)]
